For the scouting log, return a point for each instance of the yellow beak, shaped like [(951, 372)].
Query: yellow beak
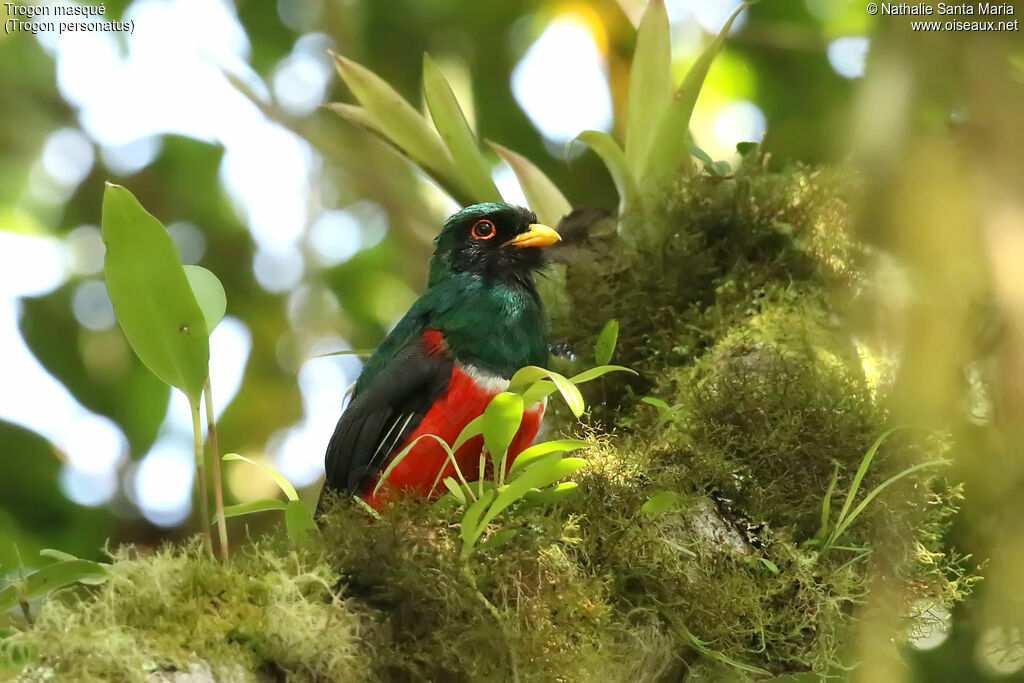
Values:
[(537, 236)]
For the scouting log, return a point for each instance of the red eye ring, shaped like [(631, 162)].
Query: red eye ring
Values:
[(483, 230)]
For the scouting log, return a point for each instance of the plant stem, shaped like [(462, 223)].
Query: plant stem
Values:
[(513, 660), (218, 490), (204, 504)]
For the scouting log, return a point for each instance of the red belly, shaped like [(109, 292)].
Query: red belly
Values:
[(463, 402)]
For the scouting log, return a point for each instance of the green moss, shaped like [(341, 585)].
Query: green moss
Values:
[(739, 321)]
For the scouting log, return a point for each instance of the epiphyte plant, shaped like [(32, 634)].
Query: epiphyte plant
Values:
[(167, 312), (657, 140)]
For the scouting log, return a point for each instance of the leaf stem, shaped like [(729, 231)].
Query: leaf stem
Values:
[(218, 491), (204, 504)]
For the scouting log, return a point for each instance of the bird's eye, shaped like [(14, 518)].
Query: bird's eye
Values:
[(483, 230)]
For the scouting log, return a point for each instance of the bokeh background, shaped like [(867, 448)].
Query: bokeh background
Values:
[(210, 113)]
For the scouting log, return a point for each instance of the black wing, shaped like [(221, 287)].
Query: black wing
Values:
[(382, 415)]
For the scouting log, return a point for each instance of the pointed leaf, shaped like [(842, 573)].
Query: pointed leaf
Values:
[(650, 83), (661, 502), (525, 381), (501, 420), (556, 494), (542, 473), (615, 161), (152, 296), (545, 199), (298, 521), (455, 489), (403, 126), (56, 554), (353, 113), (209, 294), (497, 539), (658, 403), (455, 132), (471, 522), (669, 146), (604, 348), (600, 371), (278, 478), (547, 448), (52, 577), (253, 507), (865, 463), (474, 427)]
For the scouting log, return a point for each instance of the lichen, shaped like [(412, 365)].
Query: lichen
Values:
[(738, 320)]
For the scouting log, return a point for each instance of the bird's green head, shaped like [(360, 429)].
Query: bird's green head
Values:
[(492, 240)]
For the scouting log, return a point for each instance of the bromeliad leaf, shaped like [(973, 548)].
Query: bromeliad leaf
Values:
[(403, 126), (600, 371), (615, 161), (209, 294), (544, 198), (152, 296), (650, 83), (455, 132), (669, 146)]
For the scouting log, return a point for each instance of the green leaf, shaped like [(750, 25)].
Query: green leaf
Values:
[(56, 554), (357, 115), (865, 463), (209, 294), (474, 427), (501, 420), (600, 371), (547, 448), (52, 577), (471, 521), (661, 502), (545, 199), (403, 126), (656, 402), (826, 506), (720, 168), (253, 507), (604, 348), (395, 461), (497, 539), (454, 488), (604, 146), (699, 153), (152, 296), (556, 494), (745, 148), (455, 132), (650, 83), (772, 567), (525, 381), (842, 526), (282, 483), (363, 353), (669, 147), (298, 521), (541, 473)]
